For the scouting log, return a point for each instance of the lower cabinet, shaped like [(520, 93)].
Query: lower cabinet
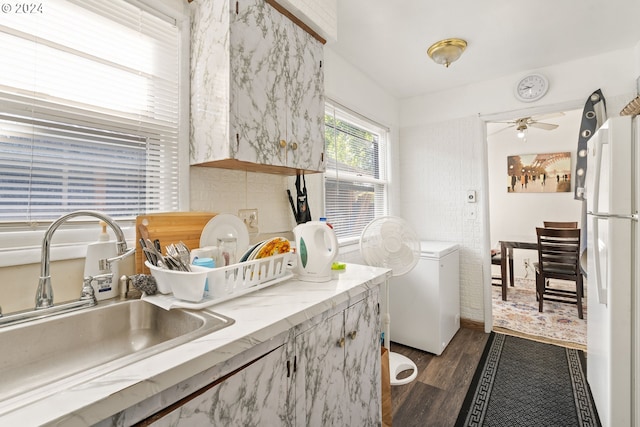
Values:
[(254, 395), (337, 376), (326, 374)]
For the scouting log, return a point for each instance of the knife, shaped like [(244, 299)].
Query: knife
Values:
[(150, 257)]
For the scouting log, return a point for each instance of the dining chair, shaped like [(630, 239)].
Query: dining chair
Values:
[(558, 258), (496, 259), (554, 224)]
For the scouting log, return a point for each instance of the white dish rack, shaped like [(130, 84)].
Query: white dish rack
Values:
[(226, 283)]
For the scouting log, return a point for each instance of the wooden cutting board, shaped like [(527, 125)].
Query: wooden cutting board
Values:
[(170, 227)]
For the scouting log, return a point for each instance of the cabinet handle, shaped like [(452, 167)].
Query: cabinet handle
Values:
[(288, 369), (294, 146), (341, 342), (283, 143), (352, 335)]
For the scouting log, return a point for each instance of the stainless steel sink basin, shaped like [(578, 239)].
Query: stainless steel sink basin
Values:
[(93, 341)]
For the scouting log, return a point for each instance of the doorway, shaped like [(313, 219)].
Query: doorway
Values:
[(530, 162)]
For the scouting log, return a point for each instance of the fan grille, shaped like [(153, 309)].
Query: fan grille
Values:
[(391, 243)]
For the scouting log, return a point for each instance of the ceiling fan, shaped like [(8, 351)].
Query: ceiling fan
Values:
[(523, 123)]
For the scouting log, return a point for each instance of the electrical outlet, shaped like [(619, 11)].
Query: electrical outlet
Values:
[(527, 267), (471, 212), (250, 219)]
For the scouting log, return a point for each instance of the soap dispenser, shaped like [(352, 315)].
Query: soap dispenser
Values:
[(104, 288)]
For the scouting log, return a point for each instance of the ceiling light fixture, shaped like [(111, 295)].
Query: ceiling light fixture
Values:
[(521, 130), (446, 51)]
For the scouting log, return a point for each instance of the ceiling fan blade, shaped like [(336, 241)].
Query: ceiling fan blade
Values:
[(500, 130), (545, 126), (547, 116)]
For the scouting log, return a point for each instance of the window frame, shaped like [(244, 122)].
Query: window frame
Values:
[(334, 175)]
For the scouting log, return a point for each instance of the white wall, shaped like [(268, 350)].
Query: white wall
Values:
[(449, 125), (440, 163)]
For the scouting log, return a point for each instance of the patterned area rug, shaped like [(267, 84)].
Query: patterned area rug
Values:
[(557, 324), (524, 383)]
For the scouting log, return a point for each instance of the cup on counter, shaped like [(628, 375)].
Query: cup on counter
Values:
[(208, 263), (204, 252), (227, 251)]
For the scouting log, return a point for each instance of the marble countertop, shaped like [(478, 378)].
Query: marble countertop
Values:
[(259, 317)]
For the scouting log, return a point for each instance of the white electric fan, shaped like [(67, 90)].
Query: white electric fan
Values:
[(389, 242)]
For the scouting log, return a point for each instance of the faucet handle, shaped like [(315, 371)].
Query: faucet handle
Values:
[(87, 290)]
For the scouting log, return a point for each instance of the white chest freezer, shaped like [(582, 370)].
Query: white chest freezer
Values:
[(424, 304)]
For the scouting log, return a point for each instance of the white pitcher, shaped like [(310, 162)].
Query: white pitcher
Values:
[(316, 249)]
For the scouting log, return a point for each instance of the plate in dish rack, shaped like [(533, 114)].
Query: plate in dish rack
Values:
[(245, 256), (275, 246), (225, 225)]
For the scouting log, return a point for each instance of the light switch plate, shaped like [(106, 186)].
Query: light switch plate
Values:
[(471, 196)]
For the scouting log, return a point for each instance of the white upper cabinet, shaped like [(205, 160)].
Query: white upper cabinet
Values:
[(257, 95)]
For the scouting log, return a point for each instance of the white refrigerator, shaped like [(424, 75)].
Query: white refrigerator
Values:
[(613, 256)]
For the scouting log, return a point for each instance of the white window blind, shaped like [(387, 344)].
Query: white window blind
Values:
[(356, 175), (89, 111)]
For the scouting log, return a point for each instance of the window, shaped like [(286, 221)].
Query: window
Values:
[(356, 176), (90, 103)]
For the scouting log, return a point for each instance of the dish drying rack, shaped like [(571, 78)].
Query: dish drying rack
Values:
[(226, 283)]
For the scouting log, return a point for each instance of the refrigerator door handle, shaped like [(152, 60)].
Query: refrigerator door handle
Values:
[(602, 291), (633, 217), (597, 153)]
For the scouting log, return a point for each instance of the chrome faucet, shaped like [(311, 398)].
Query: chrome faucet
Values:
[(44, 294)]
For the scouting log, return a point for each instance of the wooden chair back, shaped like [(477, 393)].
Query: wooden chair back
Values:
[(558, 258), (559, 252), (554, 224)]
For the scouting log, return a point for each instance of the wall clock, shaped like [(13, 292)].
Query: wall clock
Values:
[(532, 87)]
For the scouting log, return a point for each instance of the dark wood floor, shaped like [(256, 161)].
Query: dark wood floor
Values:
[(435, 397)]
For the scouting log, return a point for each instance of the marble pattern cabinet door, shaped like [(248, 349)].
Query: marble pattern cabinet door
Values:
[(253, 396), (260, 49), (337, 380), (210, 86), (277, 93), (319, 378), (305, 100), (257, 88), (362, 363)]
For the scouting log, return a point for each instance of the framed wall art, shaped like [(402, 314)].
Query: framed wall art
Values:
[(539, 173)]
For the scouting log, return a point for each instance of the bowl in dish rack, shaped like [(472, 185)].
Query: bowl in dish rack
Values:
[(185, 285)]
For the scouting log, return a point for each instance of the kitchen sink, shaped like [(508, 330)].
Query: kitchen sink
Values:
[(93, 342)]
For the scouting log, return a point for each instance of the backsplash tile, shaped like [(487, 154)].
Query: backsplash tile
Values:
[(226, 191)]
